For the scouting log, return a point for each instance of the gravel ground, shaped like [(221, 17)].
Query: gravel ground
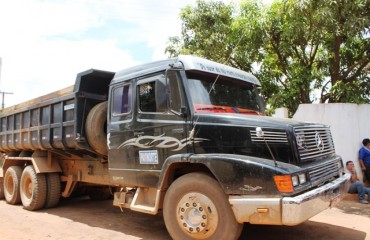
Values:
[(81, 218)]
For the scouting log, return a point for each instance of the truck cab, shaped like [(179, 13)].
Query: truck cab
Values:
[(153, 113), (186, 136), (188, 117)]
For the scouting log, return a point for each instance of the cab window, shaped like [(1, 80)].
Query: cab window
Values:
[(122, 100), (152, 94)]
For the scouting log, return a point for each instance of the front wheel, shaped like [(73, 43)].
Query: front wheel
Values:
[(195, 207)]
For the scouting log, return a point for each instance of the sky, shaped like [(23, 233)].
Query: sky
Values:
[(44, 44)]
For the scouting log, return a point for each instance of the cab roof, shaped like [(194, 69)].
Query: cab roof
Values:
[(188, 63)]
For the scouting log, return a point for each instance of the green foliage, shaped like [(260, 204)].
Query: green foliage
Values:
[(302, 51), (205, 31)]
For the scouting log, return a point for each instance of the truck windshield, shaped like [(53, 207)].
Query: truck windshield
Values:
[(223, 95)]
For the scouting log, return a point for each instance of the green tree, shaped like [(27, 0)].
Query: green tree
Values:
[(206, 25), (302, 51)]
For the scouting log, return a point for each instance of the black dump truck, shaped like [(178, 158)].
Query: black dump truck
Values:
[(185, 136)]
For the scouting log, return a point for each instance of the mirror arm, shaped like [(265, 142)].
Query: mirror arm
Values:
[(182, 113)]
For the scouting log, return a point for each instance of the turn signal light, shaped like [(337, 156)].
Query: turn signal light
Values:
[(284, 183)]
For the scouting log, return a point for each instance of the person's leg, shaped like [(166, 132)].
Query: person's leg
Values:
[(367, 192), (358, 187), (367, 172), (364, 176)]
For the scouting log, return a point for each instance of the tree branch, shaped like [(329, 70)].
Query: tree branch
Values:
[(301, 58), (363, 62), (323, 96), (282, 61), (336, 63), (313, 53)]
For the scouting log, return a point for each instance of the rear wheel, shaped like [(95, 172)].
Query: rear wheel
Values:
[(12, 180), (53, 190), (33, 189), (2, 191), (195, 207)]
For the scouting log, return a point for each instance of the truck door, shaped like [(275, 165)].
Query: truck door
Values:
[(151, 132)]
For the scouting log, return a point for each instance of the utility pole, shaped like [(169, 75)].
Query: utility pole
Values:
[(2, 93), (3, 99)]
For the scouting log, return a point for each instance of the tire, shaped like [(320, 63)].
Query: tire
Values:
[(33, 189), (53, 189), (195, 207), (95, 128), (12, 180), (2, 191)]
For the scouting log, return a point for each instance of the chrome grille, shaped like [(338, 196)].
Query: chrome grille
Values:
[(314, 142), (323, 172), (270, 137)]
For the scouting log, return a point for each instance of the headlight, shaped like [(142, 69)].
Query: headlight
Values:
[(302, 178), (287, 183), (295, 181)]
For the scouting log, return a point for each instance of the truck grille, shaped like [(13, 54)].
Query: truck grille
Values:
[(323, 172), (314, 142), (270, 137)]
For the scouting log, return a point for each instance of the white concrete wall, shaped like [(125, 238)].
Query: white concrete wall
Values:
[(349, 124), (281, 113)]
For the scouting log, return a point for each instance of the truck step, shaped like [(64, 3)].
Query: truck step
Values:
[(145, 200), (123, 199)]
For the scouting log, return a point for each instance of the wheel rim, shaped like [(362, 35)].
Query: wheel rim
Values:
[(27, 187), (9, 186), (197, 215)]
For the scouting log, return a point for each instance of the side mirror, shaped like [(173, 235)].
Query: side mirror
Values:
[(183, 111)]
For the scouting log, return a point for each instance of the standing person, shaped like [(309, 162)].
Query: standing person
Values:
[(356, 185), (364, 158)]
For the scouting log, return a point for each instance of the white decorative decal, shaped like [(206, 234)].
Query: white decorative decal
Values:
[(160, 142), (250, 188)]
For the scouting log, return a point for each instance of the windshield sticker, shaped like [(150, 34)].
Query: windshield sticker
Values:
[(148, 157), (161, 141), (222, 70), (196, 63)]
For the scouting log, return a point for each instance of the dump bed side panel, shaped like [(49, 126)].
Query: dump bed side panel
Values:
[(54, 121)]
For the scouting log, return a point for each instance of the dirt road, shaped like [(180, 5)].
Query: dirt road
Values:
[(81, 218)]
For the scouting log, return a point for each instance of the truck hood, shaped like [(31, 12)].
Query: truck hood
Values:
[(243, 120)]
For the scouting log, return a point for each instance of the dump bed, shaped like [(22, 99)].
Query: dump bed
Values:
[(55, 121)]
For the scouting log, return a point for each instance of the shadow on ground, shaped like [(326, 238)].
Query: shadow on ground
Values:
[(352, 206), (104, 215), (305, 231)]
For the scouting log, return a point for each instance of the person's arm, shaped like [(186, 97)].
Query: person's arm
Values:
[(362, 164), (353, 176), (361, 156)]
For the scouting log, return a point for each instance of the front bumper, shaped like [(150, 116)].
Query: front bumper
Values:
[(289, 210)]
